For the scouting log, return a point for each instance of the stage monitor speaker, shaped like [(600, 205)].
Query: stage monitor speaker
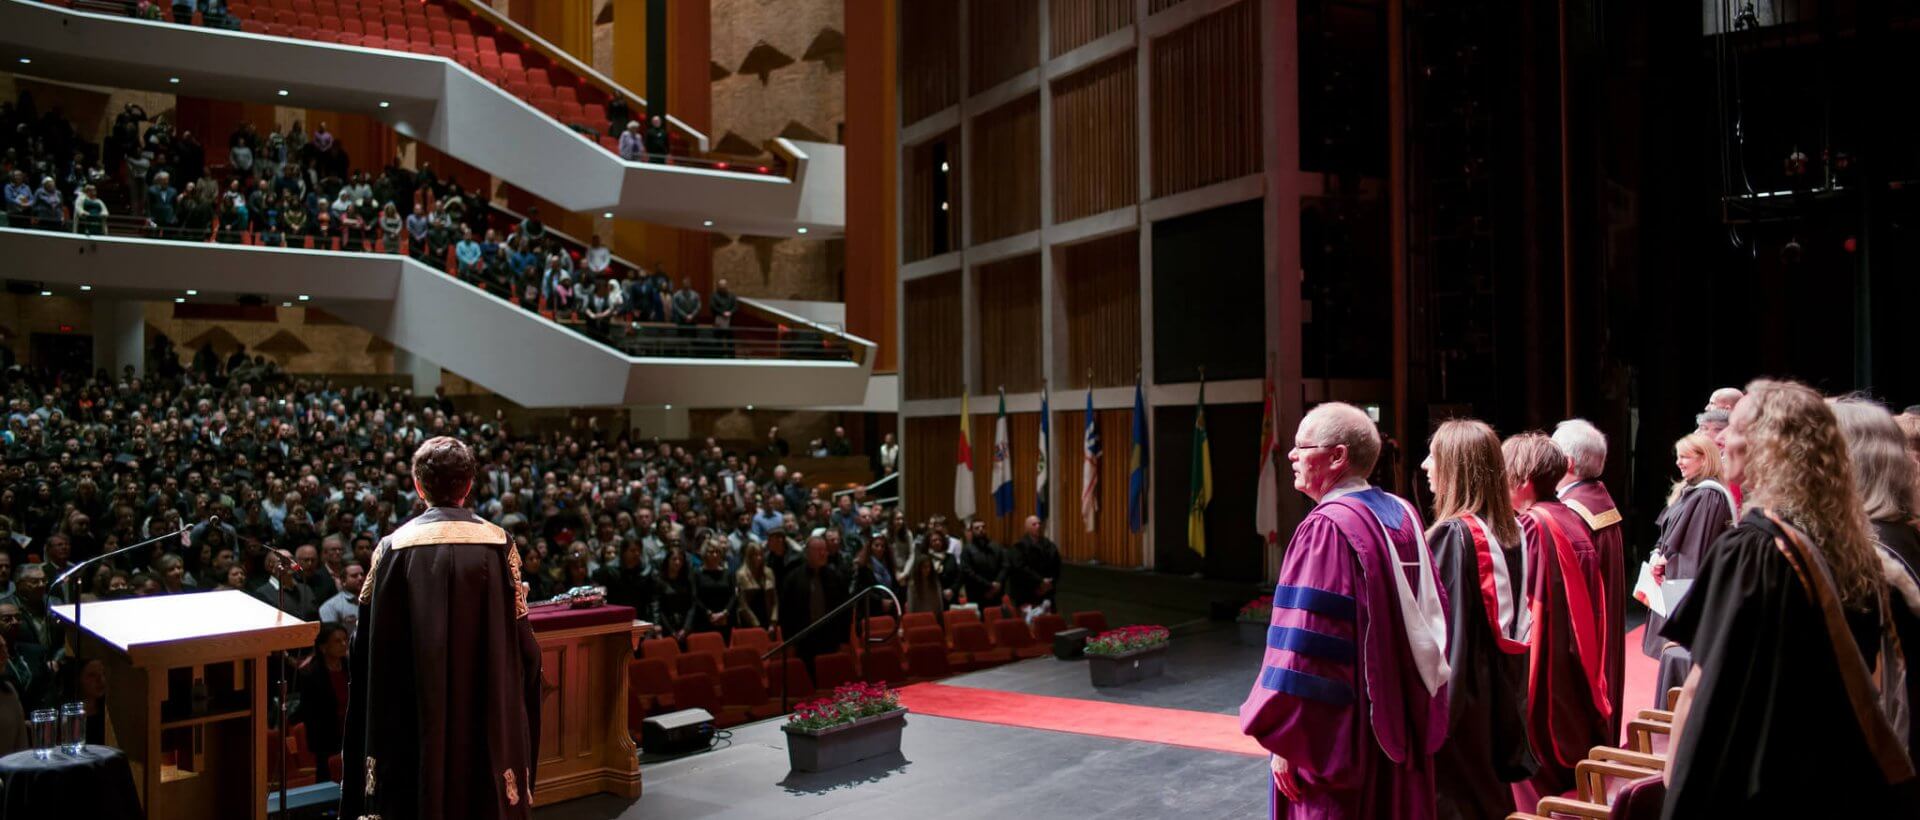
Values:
[(677, 732), (1069, 644)]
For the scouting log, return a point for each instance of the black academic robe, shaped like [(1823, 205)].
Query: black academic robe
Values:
[(1771, 731), (444, 708), (1903, 594), (1687, 527), (1487, 748)]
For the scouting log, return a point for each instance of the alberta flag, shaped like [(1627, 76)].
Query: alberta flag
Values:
[(1002, 462), (1040, 480)]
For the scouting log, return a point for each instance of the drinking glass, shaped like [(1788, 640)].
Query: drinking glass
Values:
[(45, 732), (73, 727)]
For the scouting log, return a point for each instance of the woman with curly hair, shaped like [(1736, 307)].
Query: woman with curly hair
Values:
[(1779, 717)]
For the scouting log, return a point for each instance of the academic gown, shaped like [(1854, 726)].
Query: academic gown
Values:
[(1901, 565), (443, 709), (1566, 716), (1341, 694), (1772, 731), (1589, 498), (1687, 527), (1487, 748)]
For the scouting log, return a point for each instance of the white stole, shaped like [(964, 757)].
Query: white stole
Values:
[(1423, 616)]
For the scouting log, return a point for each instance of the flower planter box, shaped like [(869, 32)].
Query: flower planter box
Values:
[(838, 746), (1128, 667), (1252, 633)]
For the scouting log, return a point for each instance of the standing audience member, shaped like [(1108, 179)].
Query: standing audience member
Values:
[(658, 142), (758, 591), (673, 594), (713, 593), (807, 593), (1032, 566), (632, 144), (1699, 509), (323, 696)]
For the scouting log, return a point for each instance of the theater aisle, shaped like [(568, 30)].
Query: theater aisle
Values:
[(983, 766)]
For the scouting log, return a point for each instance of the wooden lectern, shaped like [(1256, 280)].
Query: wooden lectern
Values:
[(193, 756), (584, 745)]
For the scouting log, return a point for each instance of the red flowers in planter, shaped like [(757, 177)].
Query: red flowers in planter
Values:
[(848, 703), (1127, 639)]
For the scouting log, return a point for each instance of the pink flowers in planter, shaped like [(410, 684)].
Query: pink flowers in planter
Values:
[(848, 703), (1127, 639)]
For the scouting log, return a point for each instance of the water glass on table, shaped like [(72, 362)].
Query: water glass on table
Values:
[(73, 727), (45, 730)]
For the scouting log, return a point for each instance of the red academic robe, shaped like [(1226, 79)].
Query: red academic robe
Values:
[(1568, 709), (1341, 693), (1598, 514)]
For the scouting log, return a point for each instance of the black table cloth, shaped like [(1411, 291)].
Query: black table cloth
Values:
[(96, 784)]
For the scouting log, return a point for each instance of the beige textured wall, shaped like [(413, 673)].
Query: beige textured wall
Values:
[(778, 68)]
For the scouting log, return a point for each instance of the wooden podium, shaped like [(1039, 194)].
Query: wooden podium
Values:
[(584, 745), (190, 761)]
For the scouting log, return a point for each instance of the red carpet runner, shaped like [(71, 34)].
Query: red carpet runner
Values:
[(1121, 721)]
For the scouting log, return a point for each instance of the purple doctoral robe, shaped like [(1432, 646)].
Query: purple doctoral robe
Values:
[(1340, 694)]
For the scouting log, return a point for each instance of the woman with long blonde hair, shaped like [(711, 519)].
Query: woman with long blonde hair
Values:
[(1699, 509), (1779, 717), (1478, 551)]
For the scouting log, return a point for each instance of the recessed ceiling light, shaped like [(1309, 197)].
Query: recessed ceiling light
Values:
[(707, 223), (943, 206), (607, 215), (192, 292), (943, 166), (86, 287), (25, 60), (669, 407), (179, 299), (174, 80), (803, 230), (46, 293), (286, 304), (283, 92), (305, 298), (749, 407), (385, 104)]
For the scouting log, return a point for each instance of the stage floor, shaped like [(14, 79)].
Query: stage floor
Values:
[(962, 768)]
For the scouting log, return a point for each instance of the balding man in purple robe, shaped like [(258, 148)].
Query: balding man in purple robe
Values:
[(1351, 698)]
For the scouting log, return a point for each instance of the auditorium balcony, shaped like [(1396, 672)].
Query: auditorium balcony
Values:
[(533, 353), (456, 76)]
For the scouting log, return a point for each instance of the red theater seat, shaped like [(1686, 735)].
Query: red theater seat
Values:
[(834, 669), (970, 639), (695, 691), (710, 642), (752, 638), (799, 684), (700, 664), (1045, 626), (744, 695), (1094, 621), (1011, 634), (652, 681), (927, 662), (663, 648)]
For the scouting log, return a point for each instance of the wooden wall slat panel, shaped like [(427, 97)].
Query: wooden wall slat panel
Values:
[(1003, 39), (1157, 6), (1009, 315), (1023, 441), (1100, 291), (929, 58), (924, 216), (1076, 23), (1096, 146), (930, 445), (1005, 170), (1206, 101), (1110, 542), (932, 363)]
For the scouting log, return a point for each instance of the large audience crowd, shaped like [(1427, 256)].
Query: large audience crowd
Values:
[(288, 188), (226, 464)]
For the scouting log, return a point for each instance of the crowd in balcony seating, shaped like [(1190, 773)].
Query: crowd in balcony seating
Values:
[(696, 537)]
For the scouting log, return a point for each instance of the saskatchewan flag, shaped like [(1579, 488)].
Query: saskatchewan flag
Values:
[(1202, 481)]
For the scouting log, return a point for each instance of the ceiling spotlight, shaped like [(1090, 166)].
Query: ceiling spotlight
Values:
[(26, 60), (179, 300), (943, 166), (607, 215), (803, 230), (46, 293), (85, 288), (943, 206), (286, 304), (192, 292), (174, 80), (283, 92), (669, 407), (385, 104), (305, 298), (749, 408), (707, 223)]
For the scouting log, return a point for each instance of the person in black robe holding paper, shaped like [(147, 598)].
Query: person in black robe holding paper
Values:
[(1779, 717), (1699, 509), (444, 701), (1479, 554)]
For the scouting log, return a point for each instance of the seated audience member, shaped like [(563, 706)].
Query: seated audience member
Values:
[(344, 607), (85, 681), (13, 710)]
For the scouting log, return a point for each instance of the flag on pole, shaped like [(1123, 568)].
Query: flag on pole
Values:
[(1002, 462), (963, 506), (1202, 485), (1040, 482), (1266, 515), (1090, 467), (1137, 460)]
